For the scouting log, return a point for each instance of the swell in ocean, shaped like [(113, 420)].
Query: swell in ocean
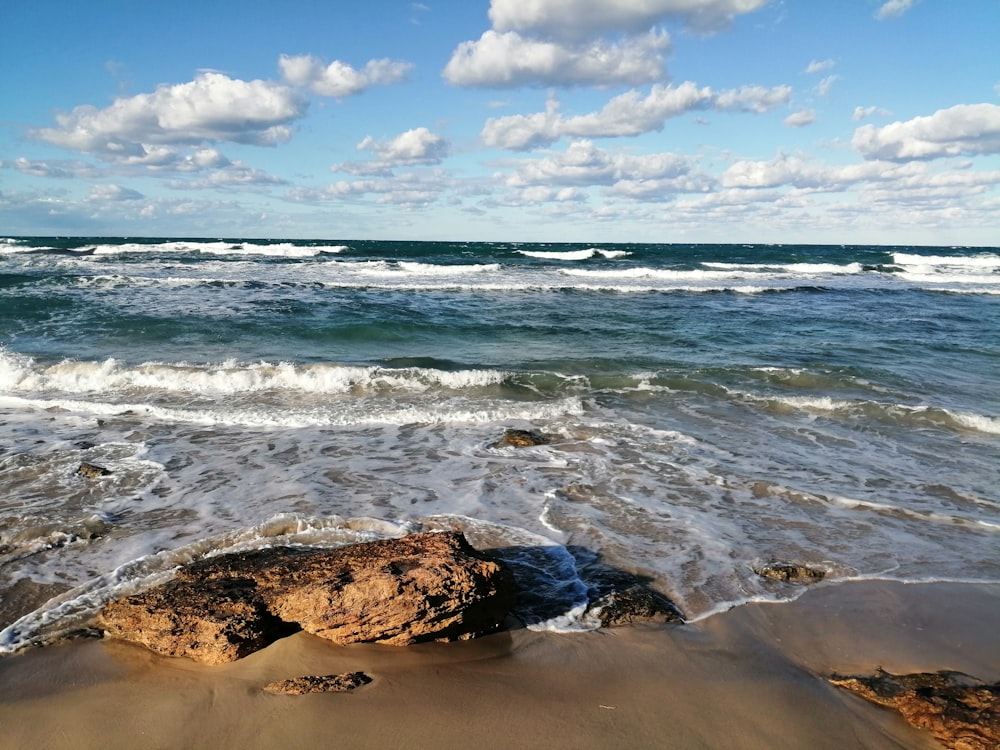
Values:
[(708, 409)]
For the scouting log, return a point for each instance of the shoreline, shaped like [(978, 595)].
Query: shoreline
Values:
[(752, 677)]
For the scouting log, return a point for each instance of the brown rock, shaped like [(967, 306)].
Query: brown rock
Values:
[(213, 622), (790, 572), (92, 471), (333, 683), (961, 711), (431, 586), (520, 439)]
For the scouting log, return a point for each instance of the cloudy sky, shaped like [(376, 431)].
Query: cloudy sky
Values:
[(825, 121)]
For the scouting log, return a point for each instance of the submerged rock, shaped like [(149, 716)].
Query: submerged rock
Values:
[(961, 711), (92, 471), (790, 572), (637, 603), (520, 439), (333, 683), (431, 586)]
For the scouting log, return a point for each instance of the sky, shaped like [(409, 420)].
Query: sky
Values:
[(785, 121)]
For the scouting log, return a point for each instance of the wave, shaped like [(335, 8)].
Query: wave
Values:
[(890, 412), (432, 269), (23, 375), (278, 249), (792, 268), (574, 254), (985, 260)]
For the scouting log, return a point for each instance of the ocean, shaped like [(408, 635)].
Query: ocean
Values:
[(709, 409)]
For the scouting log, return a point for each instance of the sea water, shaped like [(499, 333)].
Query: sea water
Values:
[(709, 408)]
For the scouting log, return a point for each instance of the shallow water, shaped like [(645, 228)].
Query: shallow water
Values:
[(709, 408)]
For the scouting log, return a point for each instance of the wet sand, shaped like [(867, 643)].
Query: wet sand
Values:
[(749, 678)]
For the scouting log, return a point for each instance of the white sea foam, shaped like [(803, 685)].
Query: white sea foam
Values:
[(433, 269), (277, 249), (560, 254), (789, 268), (984, 260), (22, 374)]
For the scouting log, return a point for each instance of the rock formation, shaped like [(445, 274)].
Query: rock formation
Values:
[(520, 439), (91, 471), (431, 586), (333, 683), (637, 603), (961, 711), (790, 572)]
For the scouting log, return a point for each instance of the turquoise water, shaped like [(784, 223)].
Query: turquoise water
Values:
[(710, 407)]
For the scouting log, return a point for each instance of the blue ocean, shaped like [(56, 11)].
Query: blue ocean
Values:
[(708, 409)]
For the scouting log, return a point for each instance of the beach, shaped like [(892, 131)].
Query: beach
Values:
[(749, 678), (701, 412)]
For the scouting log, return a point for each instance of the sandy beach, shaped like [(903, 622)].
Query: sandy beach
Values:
[(748, 678)]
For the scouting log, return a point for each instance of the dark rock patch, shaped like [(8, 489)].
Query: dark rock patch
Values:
[(790, 572), (92, 471), (636, 603), (334, 683), (962, 712), (520, 439)]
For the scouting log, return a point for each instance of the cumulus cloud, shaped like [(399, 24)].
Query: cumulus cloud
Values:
[(584, 164), (801, 118), (338, 79), (213, 107), (508, 59), (963, 129), (794, 171), (893, 9), (416, 146), (628, 114), (583, 18)]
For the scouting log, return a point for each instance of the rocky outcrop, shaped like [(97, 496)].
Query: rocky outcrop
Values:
[(333, 683), (790, 572), (520, 439), (91, 471), (961, 711), (637, 603), (431, 586)]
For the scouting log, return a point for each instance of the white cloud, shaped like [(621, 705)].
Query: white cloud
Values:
[(824, 86), (57, 168), (893, 9), (801, 118), (860, 113), (962, 129), (416, 146), (508, 59), (818, 66), (339, 79), (231, 175), (213, 107), (583, 18), (797, 172), (628, 114), (112, 193), (584, 164)]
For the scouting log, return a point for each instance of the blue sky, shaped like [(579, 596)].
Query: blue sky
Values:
[(815, 121)]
